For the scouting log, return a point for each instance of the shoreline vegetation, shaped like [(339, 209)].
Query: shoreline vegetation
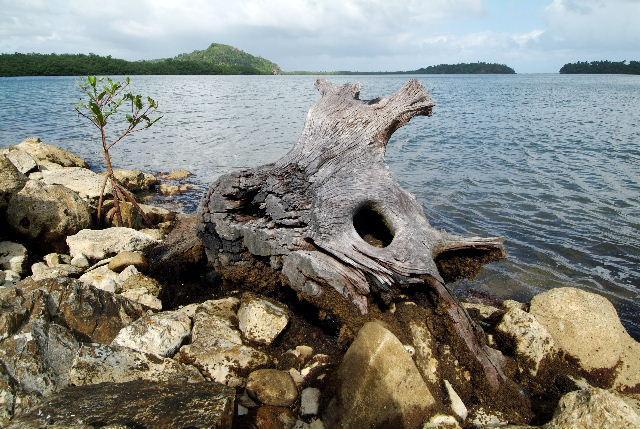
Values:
[(601, 67)]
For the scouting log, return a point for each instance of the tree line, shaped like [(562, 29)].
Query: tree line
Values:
[(602, 67)]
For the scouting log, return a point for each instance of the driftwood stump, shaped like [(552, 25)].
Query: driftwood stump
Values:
[(329, 216)]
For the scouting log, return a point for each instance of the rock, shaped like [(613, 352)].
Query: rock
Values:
[(150, 404), (47, 166), (135, 180), (139, 281), (157, 214), (261, 320), (424, 345), (481, 311), (7, 400), (11, 181), (508, 304), (161, 334), (154, 233), (457, 406), (99, 363), (81, 180), (41, 271), (9, 278), (182, 251), (172, 190), (313, 424), (45, 152), (123, 259), (378, 385), (48, 213), (143, 297), (101, 278), (628, 376), (98, 244), (272, 387), (216, 347), (583, 325), (270, 417), (532, 342), (54, 259), (442, 421), (593, 408), (13, 256), (126, 274), (23, 162), (178, 174), (80, 261), (309, 401)]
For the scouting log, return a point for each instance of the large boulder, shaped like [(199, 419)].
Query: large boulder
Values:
[(48, 213), (13, 256), (379, 385), (45, 152), (11, 181), (148, 404), (81, 180), (594, 408), (99, 244)]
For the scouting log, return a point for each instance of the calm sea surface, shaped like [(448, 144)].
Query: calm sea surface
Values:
[(551, 162)]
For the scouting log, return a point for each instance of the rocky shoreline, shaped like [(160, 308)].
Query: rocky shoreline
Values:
[(125, 327)]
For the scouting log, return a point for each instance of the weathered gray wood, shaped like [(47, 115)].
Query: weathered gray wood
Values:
[(330, 215)]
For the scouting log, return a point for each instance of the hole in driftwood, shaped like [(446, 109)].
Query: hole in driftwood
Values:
[(372, 226)]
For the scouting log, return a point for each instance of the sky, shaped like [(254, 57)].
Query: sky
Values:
[(364, 35)]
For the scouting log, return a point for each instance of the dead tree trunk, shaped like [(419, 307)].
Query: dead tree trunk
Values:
[(329, 215)]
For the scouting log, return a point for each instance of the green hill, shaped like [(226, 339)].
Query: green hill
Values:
[(225, 55), (461, 68), (602, 67)]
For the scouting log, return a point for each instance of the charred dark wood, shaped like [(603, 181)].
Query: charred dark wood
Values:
[(329, 215)]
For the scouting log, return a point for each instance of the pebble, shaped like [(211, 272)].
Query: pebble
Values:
[(272, 387)]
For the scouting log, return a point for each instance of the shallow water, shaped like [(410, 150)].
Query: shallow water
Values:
[(551, 162)]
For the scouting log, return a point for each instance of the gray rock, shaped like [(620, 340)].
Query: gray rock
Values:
[(99, 244), (261, 320), (45, 152), (593, 408), (161, 334), (149, 404), (99, 363), (272, 387), (11, 181), (13, 256), (80, 261), (41, 271), (23, 162), (47, 212), (81, 180), (378, 385)]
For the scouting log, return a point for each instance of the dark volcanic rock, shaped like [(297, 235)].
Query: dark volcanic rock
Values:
[(139, 404)]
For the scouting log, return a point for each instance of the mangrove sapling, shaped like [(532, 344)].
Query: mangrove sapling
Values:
[(104, 100)]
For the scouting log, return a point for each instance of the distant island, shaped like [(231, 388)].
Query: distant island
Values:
[(216, 59), (602, 67), (460, 68)]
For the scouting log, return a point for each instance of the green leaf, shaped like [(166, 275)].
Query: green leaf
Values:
[(92, 81), (138, 102), (97, 113)]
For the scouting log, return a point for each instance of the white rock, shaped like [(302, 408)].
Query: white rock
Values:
[(80, 261), (13, 256), (142, 296), (442, 421), (101, 278), (309, 401), (41, 271), (81, 180), (126, 273), (261, 320), (161, 334), (53, 259), (45, 152), (21, 159), (457, 406), (98, 244)]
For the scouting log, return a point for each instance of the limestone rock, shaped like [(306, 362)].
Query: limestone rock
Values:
[(180, 174), (424, 345), (99, 363), (172, 190), (80, 261), (628, 376), (442, 421), (54, 259), (98, 244), (20, 159), (272, 387), (261, 320), (149, 404), (101, 278), (125, 258), (309, 401), (45, 152), (593, 408), (135, 180), (13, 256), (161, 334), (216, 347), (148, 284), (157, 214), (81, 180), (48, 213), (143, 297), (11, 181), (378, 385), (532, 341), (41, 271), (7, 399), (584, 325)]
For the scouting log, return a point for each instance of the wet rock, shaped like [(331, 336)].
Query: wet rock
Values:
[(378, 385), (99, 363), (23, 162), (11, 181), (161, 334), (309, 401), (13, 256), (81, 180), (124, 259), (261, 320), (270, 417), (593, 408), (180, 174), (149, 404), (45, 152), (272, 387), (101, 278), (48, 213), (583, 325), (135, 180), (532, 341), (40, 271), (99, 244), (216, 347)]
